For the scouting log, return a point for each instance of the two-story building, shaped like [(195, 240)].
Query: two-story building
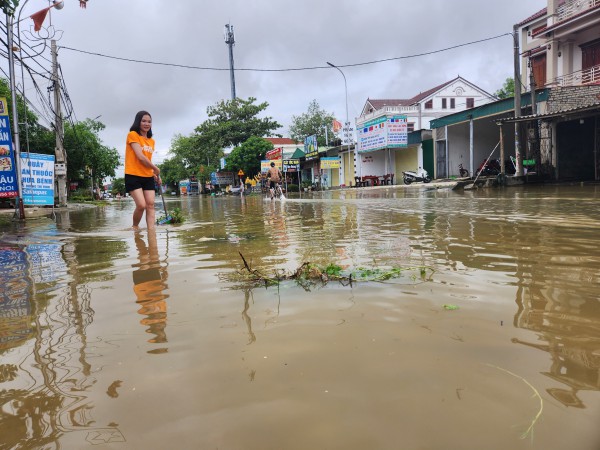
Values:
[(560, 48), (378, 155)]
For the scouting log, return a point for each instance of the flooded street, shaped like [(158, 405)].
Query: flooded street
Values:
[(490, 339)]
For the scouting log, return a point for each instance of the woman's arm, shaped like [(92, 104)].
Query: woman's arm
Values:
[(137, 149)]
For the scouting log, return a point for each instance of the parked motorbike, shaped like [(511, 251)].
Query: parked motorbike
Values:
[(412, 176), (489, 168)]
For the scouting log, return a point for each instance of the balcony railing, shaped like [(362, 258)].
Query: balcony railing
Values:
[(391, 110), (574, 7), (587, 76)]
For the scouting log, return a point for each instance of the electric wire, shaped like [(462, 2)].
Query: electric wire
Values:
[(185, 66)]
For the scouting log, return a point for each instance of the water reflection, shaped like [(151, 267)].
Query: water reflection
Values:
[(46, 377), (149, 282)]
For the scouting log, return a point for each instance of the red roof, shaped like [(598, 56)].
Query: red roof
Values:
[(378, 104), (282, 141), (537, 15)]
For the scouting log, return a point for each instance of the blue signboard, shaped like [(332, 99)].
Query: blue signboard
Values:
[(37, 178), (8, 171)]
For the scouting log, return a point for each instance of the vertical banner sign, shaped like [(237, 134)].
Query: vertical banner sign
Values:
[(397, 131), (311, 148), (8, 171), (37, 176)]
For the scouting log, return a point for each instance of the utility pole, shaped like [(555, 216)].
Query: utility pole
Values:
[(230, 41), (59, 151), (13, 93), (518, 154)]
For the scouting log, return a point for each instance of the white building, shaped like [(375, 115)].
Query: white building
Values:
[(453, 96)]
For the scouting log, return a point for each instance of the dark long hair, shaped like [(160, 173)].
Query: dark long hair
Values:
[(138, 121)]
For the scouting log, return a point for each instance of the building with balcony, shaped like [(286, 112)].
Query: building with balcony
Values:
[(560, 50), (377, 155)]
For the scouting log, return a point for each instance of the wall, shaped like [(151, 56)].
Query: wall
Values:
[(406, 159), (570, 97)]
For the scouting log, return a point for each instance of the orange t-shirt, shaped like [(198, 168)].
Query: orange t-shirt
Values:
[(133, 166)]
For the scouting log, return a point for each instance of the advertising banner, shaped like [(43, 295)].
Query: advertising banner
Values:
[(372, 135), (383, 132), (37, 176), (224, 178), (311, 148), (330, 163), (291, 165), (8, 170), (397, 131), (276, 153), (265, 164)]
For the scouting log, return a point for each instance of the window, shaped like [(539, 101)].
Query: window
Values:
[(470, 102), (444, 106), (410, 127), (452, 103), (590, 55), (429, 104)]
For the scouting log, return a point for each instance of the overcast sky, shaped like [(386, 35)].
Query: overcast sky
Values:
[(269, 34)]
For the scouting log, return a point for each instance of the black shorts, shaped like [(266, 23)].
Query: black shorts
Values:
[(272, 184), (133, 182)]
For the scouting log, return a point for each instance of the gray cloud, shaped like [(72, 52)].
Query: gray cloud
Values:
[(272, 35)]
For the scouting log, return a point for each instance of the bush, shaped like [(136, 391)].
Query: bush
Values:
[(292, 188), (81, 195)]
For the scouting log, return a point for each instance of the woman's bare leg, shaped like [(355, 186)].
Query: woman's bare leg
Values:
[(140, 206), (150, 210)]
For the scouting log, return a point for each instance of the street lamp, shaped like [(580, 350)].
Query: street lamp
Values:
[(347, 124)]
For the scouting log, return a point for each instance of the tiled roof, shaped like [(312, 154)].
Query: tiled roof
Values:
[(378, 104), (537, 15)]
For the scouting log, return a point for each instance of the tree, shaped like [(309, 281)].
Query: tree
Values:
[(87, 157), (118, 186), (248, 156), (232, 122), (172, 170), (314, 121), (507, 90), (33, 136)]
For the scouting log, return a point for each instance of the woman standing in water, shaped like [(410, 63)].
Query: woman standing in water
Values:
[(140, 172)]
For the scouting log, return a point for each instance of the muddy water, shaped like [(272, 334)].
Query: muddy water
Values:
[(116, 339)]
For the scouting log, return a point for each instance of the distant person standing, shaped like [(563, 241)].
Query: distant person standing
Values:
[(140, 172)]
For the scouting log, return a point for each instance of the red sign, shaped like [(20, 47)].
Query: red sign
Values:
[(276, 153)]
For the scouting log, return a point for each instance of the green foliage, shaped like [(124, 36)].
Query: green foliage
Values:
[(312, 122), (81, 195), (232, 122), (248, 156), (9, 6), (40, 139), (174, 216), (292, 188), (86, 155), (118, 186), (507, 90)]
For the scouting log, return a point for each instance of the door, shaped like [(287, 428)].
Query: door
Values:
[(440, 147), (538, 66)]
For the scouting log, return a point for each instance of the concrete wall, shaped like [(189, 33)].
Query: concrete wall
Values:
[(405, 159)]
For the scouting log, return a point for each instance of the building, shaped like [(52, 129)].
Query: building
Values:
[(380, 157), (561, 51)]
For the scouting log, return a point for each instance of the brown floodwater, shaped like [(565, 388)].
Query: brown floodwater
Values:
[(488, 339)]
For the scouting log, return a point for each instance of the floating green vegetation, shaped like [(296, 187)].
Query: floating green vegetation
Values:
[(311, 275), (174, 216)]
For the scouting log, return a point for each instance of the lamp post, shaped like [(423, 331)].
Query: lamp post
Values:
[(346, 128)]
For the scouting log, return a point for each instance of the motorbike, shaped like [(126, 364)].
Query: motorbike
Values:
[(489, 168), (412, 176)]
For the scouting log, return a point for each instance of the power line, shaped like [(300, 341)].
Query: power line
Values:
[(185, 66)]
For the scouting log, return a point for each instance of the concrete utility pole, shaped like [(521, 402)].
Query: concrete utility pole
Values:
[(518, 154), (59, 151), (19, 208), (230, 41)]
